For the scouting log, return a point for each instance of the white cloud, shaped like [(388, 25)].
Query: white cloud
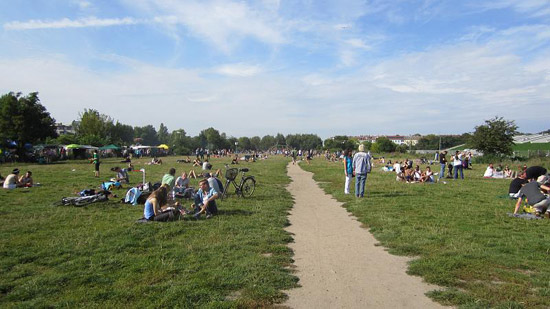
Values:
[(239, 70), (223, 23), (68, 23)]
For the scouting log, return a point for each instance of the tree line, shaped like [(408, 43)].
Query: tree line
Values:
[(24, 119)]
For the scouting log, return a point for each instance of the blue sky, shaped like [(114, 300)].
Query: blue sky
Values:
[(248, 68)]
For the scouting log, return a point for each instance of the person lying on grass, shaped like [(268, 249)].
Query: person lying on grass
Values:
[(205, 200), (535, 197), (154, 204)]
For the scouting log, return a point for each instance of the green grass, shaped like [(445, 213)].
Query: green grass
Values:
[(459, 233), (531, 146), (97, 256)]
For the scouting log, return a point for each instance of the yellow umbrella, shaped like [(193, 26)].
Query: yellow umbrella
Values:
[(163, 146)]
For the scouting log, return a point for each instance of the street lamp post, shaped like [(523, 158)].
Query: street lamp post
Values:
[(236, 143)]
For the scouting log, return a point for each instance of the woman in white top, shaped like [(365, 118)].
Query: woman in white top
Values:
[(457, 165), (489, 171)]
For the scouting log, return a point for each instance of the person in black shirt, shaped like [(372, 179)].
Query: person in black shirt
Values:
[(535, 172), (516, 185)]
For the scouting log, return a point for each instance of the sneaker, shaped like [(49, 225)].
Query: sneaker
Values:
[(208, 216)]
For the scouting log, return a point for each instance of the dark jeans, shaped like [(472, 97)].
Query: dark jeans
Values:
[(168, 215), (458, 168), (212, 208)]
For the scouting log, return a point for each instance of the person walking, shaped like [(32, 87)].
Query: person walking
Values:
[(361, 166), (348, 169)]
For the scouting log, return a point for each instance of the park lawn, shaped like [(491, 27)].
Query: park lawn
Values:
[(97, 255), (459, 234)]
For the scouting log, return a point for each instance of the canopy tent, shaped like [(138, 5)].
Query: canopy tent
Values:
[(76, 146), (112, 147), (163, 146)]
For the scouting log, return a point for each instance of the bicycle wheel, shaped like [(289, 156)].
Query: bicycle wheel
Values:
[(224, 193), (248, 187)]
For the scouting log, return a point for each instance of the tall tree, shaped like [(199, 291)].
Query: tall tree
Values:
[(267, 142), (163, 135), (180, 142), (384, 144), (495, 137), (24, 119), (148, 134)]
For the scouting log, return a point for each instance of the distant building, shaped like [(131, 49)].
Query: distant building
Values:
[(396, 139), (63, 129), (532, 138)]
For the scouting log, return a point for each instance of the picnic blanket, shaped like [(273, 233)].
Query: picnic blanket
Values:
[(527, 216)]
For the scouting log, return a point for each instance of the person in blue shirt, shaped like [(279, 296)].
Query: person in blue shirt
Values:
[(348, 169), (205, 200)]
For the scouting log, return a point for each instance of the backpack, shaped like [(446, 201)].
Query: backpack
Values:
[(110, 185)]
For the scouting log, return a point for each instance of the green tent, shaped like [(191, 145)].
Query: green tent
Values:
[(113, 147), (72, 146)]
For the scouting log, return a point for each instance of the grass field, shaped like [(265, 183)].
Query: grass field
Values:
[(97, 256), (460, 234)]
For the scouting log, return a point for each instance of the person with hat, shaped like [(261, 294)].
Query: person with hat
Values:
[(12, 180), (361, 166)]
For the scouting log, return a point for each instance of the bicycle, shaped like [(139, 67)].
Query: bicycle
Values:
[(245, 187)]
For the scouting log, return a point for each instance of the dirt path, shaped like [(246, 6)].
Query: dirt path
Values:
[(337, 261)]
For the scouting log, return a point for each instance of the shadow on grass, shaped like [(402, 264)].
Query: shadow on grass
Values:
[(234, 212)]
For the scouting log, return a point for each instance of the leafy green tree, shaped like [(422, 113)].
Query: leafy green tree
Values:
[(402, 148), (211, 138), (495, 137), (385, 144), (280, 140), (148, 134), (255, 142), (180, 142), (428, 142), (244, 143), (121, 134), (340, 142), (93, 126), (24, 119), (267, 142), (163, 135)]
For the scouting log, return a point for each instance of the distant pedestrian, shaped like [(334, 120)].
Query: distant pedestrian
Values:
[(361, 166), (443, 163), (95, 162), (348, 169)]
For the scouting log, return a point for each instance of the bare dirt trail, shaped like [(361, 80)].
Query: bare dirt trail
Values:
[(337, 261)]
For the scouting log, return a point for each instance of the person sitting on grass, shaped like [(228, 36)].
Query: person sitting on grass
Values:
[(205, 200), (507, 172), (154, 204), (532, 192), (155, 161), (489, 171), (26, 180), (417, 174), (121, 175), (516, 184), (236, 160), (182, 188), (197, 162), (170, 178), (427, 176), (12, 180)]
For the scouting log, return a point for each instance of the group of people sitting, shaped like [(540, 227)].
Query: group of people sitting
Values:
[(406, 173), (161, 205), (13, 180), (498, 172), (532, 186)]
